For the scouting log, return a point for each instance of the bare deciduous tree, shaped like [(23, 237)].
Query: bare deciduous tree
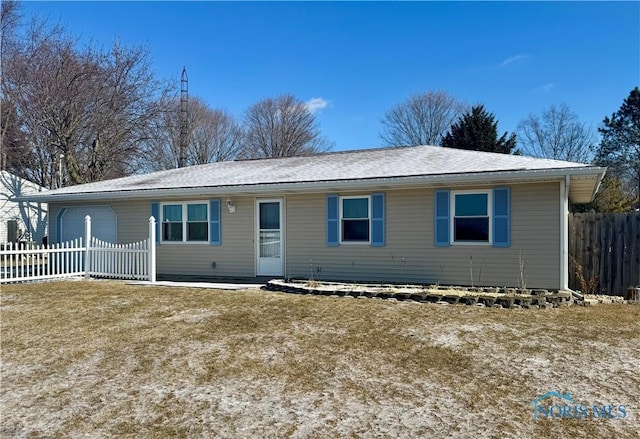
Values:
[(558, 134), (91, 108), (9, 128), (214, 136), (423, 119), (282, 127), (9, 20)]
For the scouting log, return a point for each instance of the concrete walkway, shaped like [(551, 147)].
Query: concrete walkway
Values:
[(210, 285)]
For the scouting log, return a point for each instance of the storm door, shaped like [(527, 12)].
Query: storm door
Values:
[(269, 238)]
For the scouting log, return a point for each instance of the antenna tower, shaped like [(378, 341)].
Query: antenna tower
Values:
[(184, 118)]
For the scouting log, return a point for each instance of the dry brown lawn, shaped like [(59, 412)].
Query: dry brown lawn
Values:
[(105, 359)]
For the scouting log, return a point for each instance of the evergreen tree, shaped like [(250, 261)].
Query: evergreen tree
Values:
[(478, 130), (620, 146)]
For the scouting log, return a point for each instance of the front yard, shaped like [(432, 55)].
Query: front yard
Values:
[(105, 359)]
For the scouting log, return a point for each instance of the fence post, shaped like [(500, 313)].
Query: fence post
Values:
[(87, 240), (152, 249)]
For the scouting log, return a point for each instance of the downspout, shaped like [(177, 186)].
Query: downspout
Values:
[(564, 232)]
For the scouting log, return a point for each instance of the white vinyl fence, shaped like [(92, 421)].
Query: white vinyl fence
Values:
[(21, 262), (25, 261)]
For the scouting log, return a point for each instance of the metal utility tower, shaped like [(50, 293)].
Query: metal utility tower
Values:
[(184, 118)]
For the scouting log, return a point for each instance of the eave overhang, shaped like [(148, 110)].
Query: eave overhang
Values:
[(584, 184)]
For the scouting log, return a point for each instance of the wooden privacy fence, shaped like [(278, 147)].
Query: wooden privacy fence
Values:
[(604, 252), (21, 262)]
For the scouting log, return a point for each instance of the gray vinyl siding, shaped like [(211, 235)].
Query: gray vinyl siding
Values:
[(234, 257), (410, 254)]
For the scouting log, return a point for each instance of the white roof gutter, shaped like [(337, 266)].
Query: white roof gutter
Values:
[(540, 175)]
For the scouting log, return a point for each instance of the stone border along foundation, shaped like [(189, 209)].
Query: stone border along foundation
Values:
[(444, 295)]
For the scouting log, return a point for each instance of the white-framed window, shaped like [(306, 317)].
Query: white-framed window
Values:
[(185, 221), (355, 219), (471, 217)]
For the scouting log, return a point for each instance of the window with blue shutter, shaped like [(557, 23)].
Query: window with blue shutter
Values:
[(332, 221), (442, 219), (501, 220), (377, 220), (214, 215), (187, 221), (471, 213)]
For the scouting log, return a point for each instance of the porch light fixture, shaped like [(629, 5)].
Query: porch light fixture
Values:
[(231, 207)]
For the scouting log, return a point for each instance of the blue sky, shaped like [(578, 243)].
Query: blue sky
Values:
[(359, 59)]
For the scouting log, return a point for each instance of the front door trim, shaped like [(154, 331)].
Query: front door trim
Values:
[(269, 265)]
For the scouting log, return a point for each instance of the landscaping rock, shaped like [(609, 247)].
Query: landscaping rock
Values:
[(487, 300), (497, 297), (469, 300), (505, 302)]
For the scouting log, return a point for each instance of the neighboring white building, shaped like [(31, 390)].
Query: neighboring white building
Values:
[(30, 217)]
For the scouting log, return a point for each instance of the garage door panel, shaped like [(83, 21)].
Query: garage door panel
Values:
[(103, 223)]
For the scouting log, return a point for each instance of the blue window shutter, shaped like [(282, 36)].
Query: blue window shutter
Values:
[(442, 219), (501, 220), (155, 212), (332, 221), (215, 237), (377, 220), (59, 224)]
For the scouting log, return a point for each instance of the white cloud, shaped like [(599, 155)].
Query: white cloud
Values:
[(546, 87), (315, 104), (513, 59)]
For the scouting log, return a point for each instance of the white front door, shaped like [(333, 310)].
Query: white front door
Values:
[(269, 240)]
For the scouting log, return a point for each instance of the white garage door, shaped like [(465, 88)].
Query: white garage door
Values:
[(103, 223)]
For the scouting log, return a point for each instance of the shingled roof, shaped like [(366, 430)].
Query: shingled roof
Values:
[(383, 167)]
